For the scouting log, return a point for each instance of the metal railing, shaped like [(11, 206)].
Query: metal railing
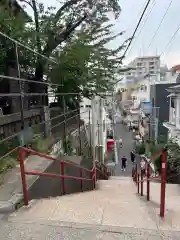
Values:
[(62, 176), (139, 178)]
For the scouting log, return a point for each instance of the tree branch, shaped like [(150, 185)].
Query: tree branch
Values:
[(66, 5), (53, 43)]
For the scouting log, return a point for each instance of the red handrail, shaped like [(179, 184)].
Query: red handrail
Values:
[(139, 179), (62, 176)]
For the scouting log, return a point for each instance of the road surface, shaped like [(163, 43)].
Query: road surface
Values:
[(121, 131)]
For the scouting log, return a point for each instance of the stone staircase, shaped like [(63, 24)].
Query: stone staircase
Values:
[(112, 211)]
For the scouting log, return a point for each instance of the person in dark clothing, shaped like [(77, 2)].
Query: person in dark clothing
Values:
[(132, 156), (123, 163)]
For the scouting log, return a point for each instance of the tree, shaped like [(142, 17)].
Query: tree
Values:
[(86, 65), (52, 29)]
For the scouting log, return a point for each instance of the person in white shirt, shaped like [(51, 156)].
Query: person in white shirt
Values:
[(120, 142), (143, 167)]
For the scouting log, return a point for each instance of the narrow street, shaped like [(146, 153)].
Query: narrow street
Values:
[(121, 131)]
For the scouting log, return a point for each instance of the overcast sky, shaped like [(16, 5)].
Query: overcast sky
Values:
[(127, 21)]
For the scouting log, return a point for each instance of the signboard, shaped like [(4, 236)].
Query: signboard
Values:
[(146, 107)]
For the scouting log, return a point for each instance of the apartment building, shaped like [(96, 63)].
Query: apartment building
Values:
[(141, 66)]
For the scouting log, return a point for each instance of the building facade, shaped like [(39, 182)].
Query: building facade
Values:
[(173, 123), (144, 65), (160, 110)]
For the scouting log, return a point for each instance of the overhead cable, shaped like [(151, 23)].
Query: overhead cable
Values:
[(147, 17), (137, 27), (171, 40), (159, 26)]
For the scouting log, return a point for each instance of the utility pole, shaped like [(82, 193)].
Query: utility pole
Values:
[(101, 142), (93, 129), (21, 94), (79, 126), (65, 126), (90, 129)]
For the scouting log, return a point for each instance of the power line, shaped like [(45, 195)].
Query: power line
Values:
[(147, 17), (28, 48), (171, 40), (157, 30), (138, 24)]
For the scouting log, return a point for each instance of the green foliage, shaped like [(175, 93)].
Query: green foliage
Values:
[(11, 160), (140, 148), (157, 164), (41, 144), (173, 156)]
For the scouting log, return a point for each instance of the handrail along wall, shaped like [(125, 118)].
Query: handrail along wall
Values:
[(62, 176)]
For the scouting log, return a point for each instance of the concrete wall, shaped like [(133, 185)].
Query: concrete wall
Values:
[(46, 187)]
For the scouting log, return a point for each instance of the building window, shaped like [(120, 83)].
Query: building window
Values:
[(139, 64), (143, 88), (103, 125), (134, 97), (172, 103)]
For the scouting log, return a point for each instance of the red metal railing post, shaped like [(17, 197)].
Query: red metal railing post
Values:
[(141, 183), (138, 182), (81, 181), (133, 172), (23, 176), (62, 180), (163, 182), (148, 181)]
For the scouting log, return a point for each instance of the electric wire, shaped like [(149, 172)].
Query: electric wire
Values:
[(137, 27), (142, 27), (171, 40), (159, 26)]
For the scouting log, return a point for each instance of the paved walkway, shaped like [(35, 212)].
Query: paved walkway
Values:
[(121, 131), (113, 211)]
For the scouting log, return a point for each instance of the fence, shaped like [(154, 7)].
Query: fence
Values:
[(61, 177), (139, 179)]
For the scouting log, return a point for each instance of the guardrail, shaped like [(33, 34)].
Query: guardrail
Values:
[(139, 178), (23, 151)]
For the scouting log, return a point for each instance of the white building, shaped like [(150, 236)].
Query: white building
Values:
[(94, 112), (86, 111), (99, 126), (143, 65), (173, 125)]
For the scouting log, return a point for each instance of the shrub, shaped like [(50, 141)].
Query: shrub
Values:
[(157, 164), (140, 148)]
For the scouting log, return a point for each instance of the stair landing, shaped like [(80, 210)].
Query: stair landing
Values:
[(113, 203), (112, 211)]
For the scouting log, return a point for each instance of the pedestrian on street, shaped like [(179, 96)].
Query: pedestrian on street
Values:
[(123, 163), (143, 167), (132, 155), (120, 142)]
